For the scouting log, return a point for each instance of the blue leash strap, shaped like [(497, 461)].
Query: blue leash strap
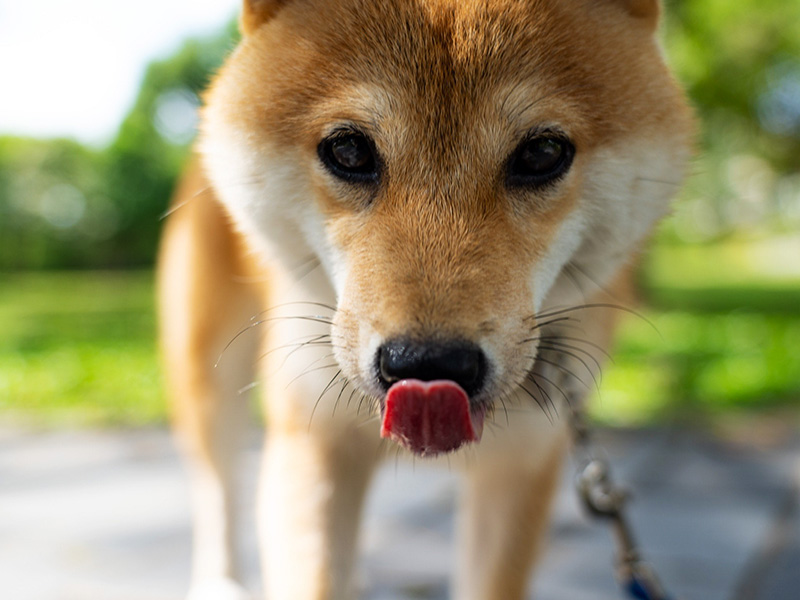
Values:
[(602, 499), (644, 585), (640, 582)]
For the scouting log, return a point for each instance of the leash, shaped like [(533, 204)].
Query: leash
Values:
[(605, 500)]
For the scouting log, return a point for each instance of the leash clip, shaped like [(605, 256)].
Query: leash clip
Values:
[(602, 499), (599, 496)]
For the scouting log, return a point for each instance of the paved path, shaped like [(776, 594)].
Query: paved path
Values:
[(103, 516)]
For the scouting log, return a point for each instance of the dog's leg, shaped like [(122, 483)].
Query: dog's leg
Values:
[(318, 456), (503, 519), (312, 493), (201, 309)]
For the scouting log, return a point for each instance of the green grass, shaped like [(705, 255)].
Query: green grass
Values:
[(698, 366), (79, 348), (726, 337)]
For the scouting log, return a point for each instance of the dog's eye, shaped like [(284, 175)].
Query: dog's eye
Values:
[(349, 156), (540, 160)]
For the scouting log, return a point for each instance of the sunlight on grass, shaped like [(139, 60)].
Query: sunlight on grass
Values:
[(700, 365), (79, 348), (754, 261), (728, 339)]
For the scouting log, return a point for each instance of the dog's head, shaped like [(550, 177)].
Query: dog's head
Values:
[(445, 159)]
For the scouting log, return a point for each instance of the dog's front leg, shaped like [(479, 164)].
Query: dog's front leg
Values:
[(202, 307), (503, 518), (311, 498)]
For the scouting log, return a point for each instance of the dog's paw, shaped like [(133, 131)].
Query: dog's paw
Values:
[(218, 589)]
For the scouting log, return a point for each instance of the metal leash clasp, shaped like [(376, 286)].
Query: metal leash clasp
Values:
[(599, 496), (603, 499)]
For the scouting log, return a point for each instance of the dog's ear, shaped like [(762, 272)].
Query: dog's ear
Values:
[(648, 11), (257, 12)]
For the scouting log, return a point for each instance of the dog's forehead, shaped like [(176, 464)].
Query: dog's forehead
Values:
[(441, 46), (443, 65), (425, 49)]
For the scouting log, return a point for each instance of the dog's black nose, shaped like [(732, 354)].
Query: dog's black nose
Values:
[(459, 361)]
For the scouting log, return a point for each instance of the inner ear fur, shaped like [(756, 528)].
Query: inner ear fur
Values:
[(646, 10), (257, 12)]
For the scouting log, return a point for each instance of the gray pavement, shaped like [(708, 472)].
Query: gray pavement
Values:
[(104, 516)]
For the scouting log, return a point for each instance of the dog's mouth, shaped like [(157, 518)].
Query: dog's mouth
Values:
[(431, 417)]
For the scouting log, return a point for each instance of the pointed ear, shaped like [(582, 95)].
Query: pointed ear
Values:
[(257, 12), (646, 10)]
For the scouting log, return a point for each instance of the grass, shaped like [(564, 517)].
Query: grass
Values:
[(728, 335), (700, 366), (79, 348)]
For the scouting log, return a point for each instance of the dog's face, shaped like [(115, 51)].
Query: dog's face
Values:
[(446, 159)]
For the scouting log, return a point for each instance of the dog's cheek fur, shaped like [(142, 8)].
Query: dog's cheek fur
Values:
[(625, 191)]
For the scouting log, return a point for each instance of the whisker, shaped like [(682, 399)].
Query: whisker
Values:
[(319, 399), (540, 402), (619, 307), (310, 370), (567, 270), (311, 259), (352, 393), (311, 340), (308, 259), (310, 269), (177, 206), (360, 402), (297, 303), (576, 357), (368, 421), (540, 324), (575, 266), (247, 388), (505, 410), (546, 394), (306, 345), (557, 342), (568, 327), (534, 374), (494, 427), (257, 323), (562, 368), (600, 349), (345, 383), (662, 181)]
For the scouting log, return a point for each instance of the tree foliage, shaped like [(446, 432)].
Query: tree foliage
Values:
[(64, 205), (740, 63)]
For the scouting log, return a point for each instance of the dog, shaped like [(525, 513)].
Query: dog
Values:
[(410, 219)]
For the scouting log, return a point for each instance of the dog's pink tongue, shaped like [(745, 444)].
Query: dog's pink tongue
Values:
[(430, 417)]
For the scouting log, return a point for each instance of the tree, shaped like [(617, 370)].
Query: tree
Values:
[(63, 205)]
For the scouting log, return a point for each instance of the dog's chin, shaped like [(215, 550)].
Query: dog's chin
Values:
[(430, 418)]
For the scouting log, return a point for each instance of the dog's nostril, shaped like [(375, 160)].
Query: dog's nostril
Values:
[(462, 362)]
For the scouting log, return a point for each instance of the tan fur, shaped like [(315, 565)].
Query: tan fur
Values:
[(440, 249), (502, 532)]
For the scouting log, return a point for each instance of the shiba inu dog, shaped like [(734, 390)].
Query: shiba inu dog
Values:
[(407, 217)]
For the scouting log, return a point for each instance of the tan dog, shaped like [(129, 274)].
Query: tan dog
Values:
[(400, 204)]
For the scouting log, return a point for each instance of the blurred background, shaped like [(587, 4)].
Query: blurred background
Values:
[(97, 115)]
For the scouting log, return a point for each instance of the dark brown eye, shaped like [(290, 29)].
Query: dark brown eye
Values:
[(540, 160), (349, 156)]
